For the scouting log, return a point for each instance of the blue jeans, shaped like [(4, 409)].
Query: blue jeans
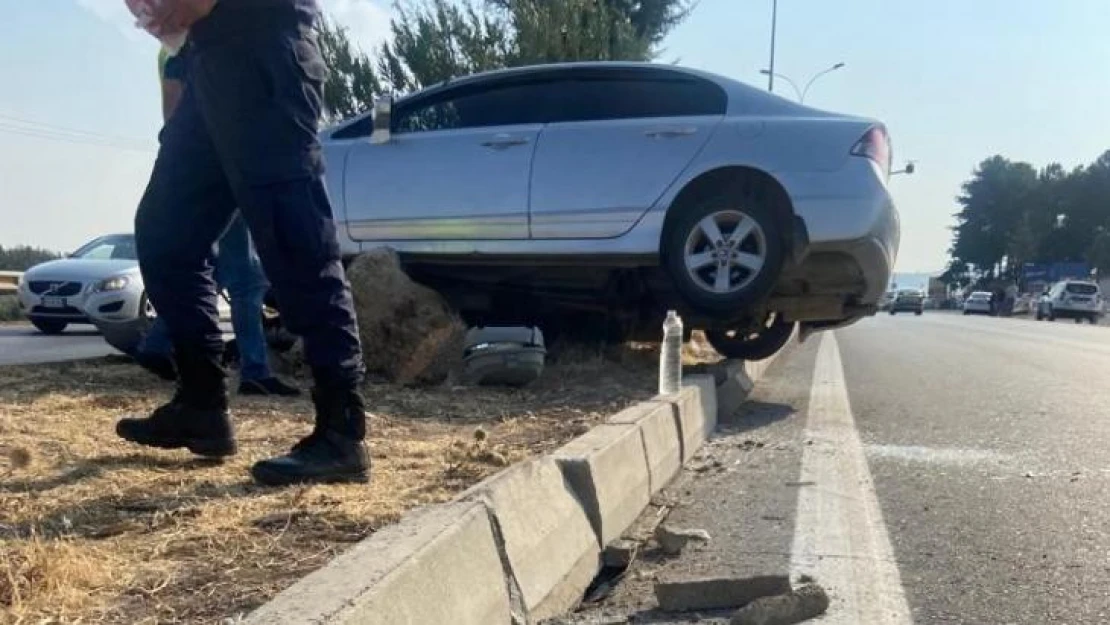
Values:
[(239, 270)]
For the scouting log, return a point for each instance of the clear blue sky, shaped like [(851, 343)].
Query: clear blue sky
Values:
[(955, 81)]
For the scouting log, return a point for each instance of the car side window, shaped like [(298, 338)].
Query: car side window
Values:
[(502, 104), (639, 95)]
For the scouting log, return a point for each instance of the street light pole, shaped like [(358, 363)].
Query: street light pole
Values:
[(774, 25), (801, 93)]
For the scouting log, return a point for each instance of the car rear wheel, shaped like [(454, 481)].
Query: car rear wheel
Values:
[(49, 326), (756, 344), (724, 254), (918, 312)]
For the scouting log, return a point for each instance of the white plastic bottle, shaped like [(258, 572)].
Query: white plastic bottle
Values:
[(670, 355)]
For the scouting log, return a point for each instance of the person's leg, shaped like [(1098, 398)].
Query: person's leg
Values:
[(239, 270), (186, 207), (155, 351), (261, 98)]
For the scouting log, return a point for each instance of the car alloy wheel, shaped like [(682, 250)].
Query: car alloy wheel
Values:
[(725, 252)]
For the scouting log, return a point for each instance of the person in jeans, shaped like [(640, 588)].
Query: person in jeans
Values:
[(238, 270), (244, 137)]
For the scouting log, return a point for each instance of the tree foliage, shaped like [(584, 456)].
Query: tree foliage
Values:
[(1012, 213), (437, 40), (23, 257)]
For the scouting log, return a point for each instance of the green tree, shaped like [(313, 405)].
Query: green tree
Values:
[(436, 40), (23, 257), (351, 84)]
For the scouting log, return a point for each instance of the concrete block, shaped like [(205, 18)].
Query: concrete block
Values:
[(716, 593), (438, 565), (696, 408), (659, 428), (733, 392), (548, 542), (607, 468)]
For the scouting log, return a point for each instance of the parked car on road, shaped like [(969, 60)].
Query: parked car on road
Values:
[(56, 293), (624, 190), (908, 300), (979, 303), (1071, 299)]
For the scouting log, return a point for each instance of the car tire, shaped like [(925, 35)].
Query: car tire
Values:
[(967, 313), (759, 346), (692, 258), (892, 313), (50, 326), (918, 313)]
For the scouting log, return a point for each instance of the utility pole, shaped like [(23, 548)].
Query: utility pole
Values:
[(771, 67)]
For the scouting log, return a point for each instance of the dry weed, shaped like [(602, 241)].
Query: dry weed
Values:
[(98, 531)]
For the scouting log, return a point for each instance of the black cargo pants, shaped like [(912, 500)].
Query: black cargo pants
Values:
[(244, 137)]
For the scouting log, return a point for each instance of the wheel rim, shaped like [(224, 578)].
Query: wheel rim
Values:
[(725, 252), (148, 310)]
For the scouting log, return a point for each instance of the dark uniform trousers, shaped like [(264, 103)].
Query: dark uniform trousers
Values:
[(244, 136)]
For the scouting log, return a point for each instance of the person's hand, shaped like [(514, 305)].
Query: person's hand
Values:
[(169, 17)]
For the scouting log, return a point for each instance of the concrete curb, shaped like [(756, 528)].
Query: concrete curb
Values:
[(522, 545)]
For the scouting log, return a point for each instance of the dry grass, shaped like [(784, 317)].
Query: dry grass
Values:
[(94, 530)]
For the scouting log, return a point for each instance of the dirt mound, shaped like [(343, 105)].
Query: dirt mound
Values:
[(410, 335)]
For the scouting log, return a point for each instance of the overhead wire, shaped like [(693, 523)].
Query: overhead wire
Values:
[(28, 128)]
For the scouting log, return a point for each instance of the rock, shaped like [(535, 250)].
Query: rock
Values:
[(672, 541), (409, 333), (806, 602), (717, 593), (620, 553)]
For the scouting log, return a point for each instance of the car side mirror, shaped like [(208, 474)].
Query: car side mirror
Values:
[(383, 121)]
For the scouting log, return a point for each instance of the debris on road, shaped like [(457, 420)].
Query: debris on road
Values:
[(672, 541), (801, 604), (412, 334), (717, 593), (619, 554)]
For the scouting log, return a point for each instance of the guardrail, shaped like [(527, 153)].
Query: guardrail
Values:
[(9, 281)]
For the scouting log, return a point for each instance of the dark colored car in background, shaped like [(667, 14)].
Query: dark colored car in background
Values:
[(908, 301)]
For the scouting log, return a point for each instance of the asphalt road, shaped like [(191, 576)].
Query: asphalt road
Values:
[(21, 344), (935, 469)]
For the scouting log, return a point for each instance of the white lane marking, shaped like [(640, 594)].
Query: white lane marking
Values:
[(839, 537), (937, 455)]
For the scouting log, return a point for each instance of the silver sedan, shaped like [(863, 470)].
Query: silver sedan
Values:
[(626, 189)]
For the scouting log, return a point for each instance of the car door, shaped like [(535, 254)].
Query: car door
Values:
[(618, 139), (456, 166)]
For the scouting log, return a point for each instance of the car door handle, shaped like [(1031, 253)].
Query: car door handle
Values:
[(501, 142), (670, 132)]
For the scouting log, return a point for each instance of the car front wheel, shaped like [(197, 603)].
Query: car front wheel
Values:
[(49, 326), (724, 254), (757, 344)]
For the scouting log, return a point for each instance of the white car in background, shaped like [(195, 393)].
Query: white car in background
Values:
[(978, 303), (99, 284), (101, 276), (1071, 299)]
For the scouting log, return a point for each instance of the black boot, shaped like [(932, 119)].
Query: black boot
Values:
[(196, 418), (333, 453)]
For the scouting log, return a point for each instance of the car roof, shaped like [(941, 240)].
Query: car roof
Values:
[(756, 101)]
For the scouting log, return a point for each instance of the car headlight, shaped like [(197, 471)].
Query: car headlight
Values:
[(117, 283)]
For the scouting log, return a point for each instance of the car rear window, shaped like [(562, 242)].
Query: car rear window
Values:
[(1081, 289)]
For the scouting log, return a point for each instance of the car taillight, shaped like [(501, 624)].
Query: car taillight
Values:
[(875, 145)]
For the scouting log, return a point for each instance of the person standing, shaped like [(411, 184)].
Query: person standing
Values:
[(237, 269), (244, 136)]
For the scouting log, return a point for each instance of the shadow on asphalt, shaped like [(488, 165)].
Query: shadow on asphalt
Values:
[(757, 414)]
